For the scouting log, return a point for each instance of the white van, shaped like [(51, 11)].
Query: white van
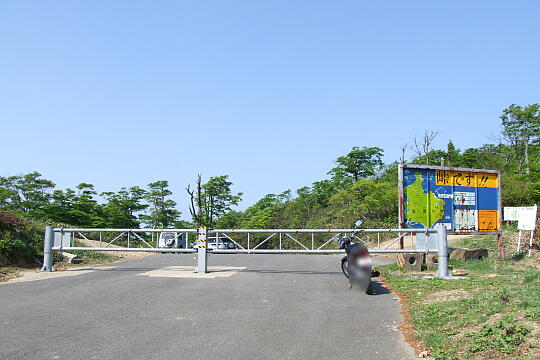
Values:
[(172, 240), (221, 243)]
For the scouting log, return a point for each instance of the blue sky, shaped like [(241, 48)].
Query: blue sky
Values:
[(121, 93)]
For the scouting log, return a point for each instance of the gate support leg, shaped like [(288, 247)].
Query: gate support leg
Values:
[(442, 246), (47, 249), (202, 255)]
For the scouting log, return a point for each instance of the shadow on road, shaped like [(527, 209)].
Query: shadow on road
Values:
[(299, 272), (379, 289), (134, 269)]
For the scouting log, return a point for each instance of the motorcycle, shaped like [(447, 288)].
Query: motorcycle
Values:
[(356, 265)]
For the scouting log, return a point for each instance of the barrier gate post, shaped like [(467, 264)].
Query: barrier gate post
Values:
[(48, 243), (202, 255), (442, 252)]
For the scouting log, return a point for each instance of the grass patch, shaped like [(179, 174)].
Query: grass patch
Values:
[(493, 313), (504, 335), (89, 257)]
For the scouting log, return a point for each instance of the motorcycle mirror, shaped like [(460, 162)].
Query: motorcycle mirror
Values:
[(358, 223), (335, 238)]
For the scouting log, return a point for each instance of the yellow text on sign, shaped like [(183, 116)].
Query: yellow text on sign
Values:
[(466, 178)]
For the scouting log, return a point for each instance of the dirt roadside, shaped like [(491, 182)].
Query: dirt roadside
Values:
[(122, 255), (14, 273)]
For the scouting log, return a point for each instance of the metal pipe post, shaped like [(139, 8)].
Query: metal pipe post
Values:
[(202, 254), (47, 249), (442, 252)]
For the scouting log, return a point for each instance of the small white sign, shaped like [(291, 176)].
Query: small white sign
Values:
[(511, 213), (524, 215), (464, 198), (527, 218)]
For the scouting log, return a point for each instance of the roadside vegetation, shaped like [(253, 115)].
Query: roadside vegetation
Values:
[(21, 247), (490, 310)]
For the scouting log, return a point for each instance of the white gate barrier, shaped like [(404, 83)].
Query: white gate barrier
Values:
[(246, 241)]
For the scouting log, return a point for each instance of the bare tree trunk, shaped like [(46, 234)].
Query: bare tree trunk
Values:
[(196, 202), (423, 149), (527, 170), (428, 139), (403, 148), (199, 199)]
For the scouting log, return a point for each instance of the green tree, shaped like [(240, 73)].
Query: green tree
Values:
[(75, 207), (161, 212), (29, 194), (452, 154), (521, 127), (61, 205), (357, 164), (433, 157), (373, 202), (122, 209), (519, 190), (260, 215), (212, 200), (230, 220), (217, 198)]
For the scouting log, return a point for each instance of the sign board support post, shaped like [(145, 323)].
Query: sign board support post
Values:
[(500, 248), (442, 252), (531, 242), (202, 254), (47, 249), (526, 218)]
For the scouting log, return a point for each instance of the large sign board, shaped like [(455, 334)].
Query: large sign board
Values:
[(464, 200)]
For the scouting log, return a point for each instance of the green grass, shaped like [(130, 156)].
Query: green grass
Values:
[(484, 315)]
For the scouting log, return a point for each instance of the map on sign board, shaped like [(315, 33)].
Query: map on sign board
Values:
[(464, 200)]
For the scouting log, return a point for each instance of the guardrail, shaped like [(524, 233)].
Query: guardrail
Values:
[(246, 241)]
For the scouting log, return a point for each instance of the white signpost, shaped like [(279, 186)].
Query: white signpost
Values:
[(526, 218)]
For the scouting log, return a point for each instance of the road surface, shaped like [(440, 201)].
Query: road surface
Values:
[(249, 307)]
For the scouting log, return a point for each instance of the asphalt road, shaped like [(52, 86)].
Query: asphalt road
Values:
[(278, 307)]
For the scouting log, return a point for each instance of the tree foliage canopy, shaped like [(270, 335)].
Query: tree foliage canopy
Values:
[(357, 164)]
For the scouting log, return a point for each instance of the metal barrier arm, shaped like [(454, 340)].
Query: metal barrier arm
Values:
[(202, 251), (140, 238), (265, 240), (326, 243), (301, 251), (230, 238), (109, 249), (356, 237), (309, 231), (85, 238), (395, 240), (116, 238), (305, 247)]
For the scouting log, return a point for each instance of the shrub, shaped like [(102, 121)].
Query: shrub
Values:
[(21, 240)]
